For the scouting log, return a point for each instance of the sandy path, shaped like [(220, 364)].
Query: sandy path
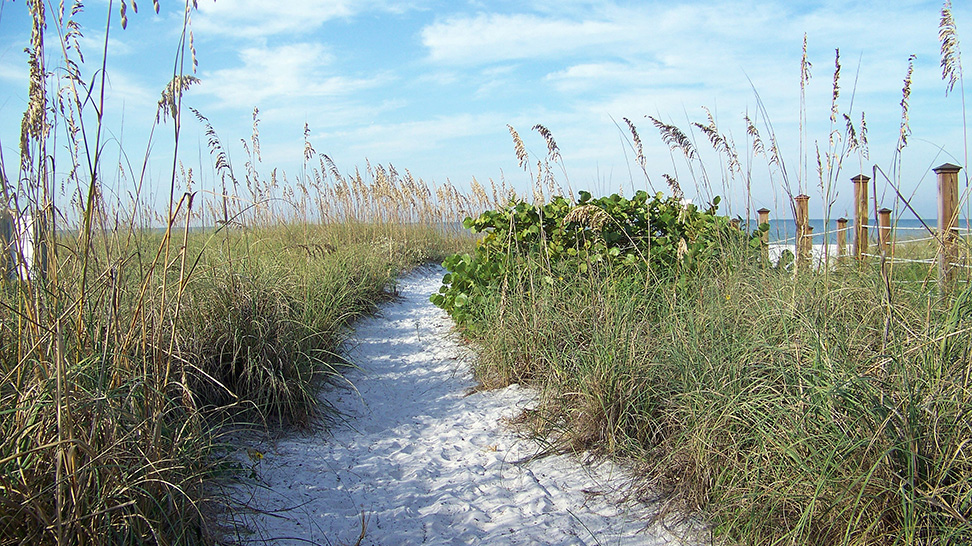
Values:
[(424, 463)]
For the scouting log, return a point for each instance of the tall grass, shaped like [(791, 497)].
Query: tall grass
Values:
[(825, 406), (139, 332), (777, 408)]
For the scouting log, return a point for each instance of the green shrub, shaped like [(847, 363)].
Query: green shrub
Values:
[(662, 235)]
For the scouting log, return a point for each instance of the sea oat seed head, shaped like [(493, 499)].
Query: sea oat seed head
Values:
[(951, 54)]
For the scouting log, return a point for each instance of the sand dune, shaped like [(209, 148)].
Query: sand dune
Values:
[(418, 461)]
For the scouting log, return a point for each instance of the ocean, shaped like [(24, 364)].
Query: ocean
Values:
[(784, 231)]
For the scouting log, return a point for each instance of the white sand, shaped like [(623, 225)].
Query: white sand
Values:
[(422, 462), (817, 252)]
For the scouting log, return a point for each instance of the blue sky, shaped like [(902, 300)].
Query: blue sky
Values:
[(430, 86)]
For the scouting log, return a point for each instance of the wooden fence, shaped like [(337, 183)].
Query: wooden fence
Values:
[(946, 235)]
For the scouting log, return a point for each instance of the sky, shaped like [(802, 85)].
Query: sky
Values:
[(431, 86)]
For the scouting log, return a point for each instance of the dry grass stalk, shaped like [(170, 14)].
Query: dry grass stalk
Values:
[(171, 95), (905, 130), (951, 54), (519, 149), (675, 138), (805, 74), (673, 185), (836, 88), (753, 132), (553, 152), (636, 138), (853, 142), (591, 216), (862, 140), (720, 142)]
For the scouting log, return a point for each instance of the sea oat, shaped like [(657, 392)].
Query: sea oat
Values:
[(171, 95), (636, 138), (852, 141), (255, 135), (215, 146), (820, 169), (124, 14), (720, 143), (192, 51), (591, 216), (34, 124), (833, 102), (521, 154), (309, 151), (774, 153), (863, 137), (753, 132), (805, 64), (553, 152), (675, 138), (951, 54), (333, 168), (673, 185), (905, 95)]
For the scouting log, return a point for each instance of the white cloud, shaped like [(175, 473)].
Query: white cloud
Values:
[(261, 18), (15, 74), (250, 18), (92, 46), (124, 87), (586, 77), (421, 135), (489, 38), (282, 72)]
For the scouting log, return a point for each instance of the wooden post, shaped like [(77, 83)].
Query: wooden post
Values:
[(808, 244), (884, 230), (860, 215), (763, 215), (764, 235), (841, 237), (947, 219), (802, 231)]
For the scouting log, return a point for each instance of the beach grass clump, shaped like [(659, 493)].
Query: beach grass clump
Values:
[(263, 328), (135, 335), (782, 409), (108, 430)]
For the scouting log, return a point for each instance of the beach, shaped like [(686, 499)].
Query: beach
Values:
[(419, 457)]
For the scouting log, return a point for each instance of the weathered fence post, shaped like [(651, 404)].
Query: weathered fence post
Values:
[(802, 232), (947, 219), (860, 215), (808, 244), (841, 237), (884, 231), (764, 235)]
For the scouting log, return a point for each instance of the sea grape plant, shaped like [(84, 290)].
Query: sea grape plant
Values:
[(664, 235)]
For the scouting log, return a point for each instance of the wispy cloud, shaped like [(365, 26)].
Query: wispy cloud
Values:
[(92, 46), (251, 18), (420, 135), (261, 18), (487, 38), (13, 73), (268, 74)]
